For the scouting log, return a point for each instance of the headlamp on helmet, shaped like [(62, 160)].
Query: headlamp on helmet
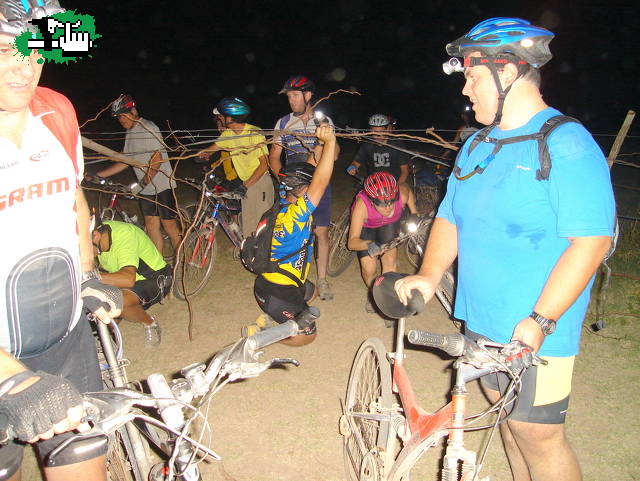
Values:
[(452, 65), (122, 105)]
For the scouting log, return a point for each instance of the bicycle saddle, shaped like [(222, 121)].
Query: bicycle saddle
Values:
[(387, 300)]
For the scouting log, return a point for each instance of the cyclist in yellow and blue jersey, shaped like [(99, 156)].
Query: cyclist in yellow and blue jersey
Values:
[(284, 296)]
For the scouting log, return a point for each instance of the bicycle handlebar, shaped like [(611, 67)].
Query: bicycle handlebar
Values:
[(512, 356), (274, 334), (453, 344)]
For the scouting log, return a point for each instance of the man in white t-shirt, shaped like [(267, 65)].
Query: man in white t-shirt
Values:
[(143, 143)]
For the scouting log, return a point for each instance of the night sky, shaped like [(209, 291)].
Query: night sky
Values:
[(179, 58)]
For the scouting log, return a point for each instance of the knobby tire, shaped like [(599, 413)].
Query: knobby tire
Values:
[(339, 256), (189, 267)]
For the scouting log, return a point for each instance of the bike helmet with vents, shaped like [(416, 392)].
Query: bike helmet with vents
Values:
[(232, 106), (18, 13), (380, 120), (381, 188), (298, 82), (504, 35), (296, 175), (122, 105)]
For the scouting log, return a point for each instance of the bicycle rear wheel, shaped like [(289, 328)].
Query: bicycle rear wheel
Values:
[(195, 263), (369, 444), (339, 256)]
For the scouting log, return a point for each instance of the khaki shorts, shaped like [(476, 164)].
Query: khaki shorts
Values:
[(258, 200), (544, 396)]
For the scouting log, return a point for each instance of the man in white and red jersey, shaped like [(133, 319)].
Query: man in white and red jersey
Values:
[(294, 134), (47, 352)]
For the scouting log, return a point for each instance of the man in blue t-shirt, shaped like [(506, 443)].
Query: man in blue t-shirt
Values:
[(527, 249)]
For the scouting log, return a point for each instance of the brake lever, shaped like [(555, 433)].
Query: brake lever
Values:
[(281, 361)]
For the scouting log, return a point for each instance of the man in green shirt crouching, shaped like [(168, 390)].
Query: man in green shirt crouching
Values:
[(133, 263)]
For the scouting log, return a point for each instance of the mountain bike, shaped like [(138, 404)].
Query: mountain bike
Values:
[(384, 435), (115, 211), (133, 421), (199, 249)]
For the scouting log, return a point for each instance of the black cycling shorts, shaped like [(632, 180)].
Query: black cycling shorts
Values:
[(151, 291), (544, 397), (161, 205), (379, 235), (75, 359), (283, 303)]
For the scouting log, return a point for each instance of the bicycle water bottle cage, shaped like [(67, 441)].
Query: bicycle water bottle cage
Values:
[(541, 137)]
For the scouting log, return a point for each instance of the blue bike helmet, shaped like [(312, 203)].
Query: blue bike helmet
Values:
[(501, 40), (232, 107), (504, 35), (17, 14)]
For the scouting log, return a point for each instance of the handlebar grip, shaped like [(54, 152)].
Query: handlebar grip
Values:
[(274, 334), (452, 344)]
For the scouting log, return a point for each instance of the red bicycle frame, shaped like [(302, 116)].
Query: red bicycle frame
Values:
[(422, 429)]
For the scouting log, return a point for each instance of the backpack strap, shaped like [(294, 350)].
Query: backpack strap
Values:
[(541, 137), (543, 148)]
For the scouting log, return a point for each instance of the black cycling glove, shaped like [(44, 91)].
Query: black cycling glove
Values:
[(36, 409), (95, 295)]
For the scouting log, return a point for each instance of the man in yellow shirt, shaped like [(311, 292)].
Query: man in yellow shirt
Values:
[(248, 151)]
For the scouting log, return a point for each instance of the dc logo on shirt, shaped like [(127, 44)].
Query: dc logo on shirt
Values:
[(381, 159)]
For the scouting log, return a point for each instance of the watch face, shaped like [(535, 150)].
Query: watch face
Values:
[(549, 327)]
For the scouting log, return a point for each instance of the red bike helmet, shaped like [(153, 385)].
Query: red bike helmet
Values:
[(298, 82), (381, 188), (122, 105)]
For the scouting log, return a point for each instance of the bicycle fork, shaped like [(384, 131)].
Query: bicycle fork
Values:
[(459, 463)]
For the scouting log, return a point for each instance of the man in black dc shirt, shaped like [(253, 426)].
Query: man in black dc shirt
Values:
[(379, 155)]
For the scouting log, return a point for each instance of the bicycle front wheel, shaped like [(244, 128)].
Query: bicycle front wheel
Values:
[(127, 456), (339, 256), (369, 444), (195, 263)]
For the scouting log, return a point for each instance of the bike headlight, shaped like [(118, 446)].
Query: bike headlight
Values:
[(319, 118), (452, 65), (412, 227)]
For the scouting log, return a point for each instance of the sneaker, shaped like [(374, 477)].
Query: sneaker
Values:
[(324, 290), (250, 330), (368, 307), (265, 321), (153, 334)]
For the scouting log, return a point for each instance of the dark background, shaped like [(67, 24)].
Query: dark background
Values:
[(179, 58)]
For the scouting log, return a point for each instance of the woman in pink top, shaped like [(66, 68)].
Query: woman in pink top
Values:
[(375, 220)]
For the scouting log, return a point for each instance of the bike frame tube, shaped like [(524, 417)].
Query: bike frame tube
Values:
[(120, 380), (420, 422), (422, 425)]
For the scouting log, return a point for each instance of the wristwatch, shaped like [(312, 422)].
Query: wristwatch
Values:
[(547, 325), (92, 274)]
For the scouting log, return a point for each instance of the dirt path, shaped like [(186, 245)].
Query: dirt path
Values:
[(283, 426)]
